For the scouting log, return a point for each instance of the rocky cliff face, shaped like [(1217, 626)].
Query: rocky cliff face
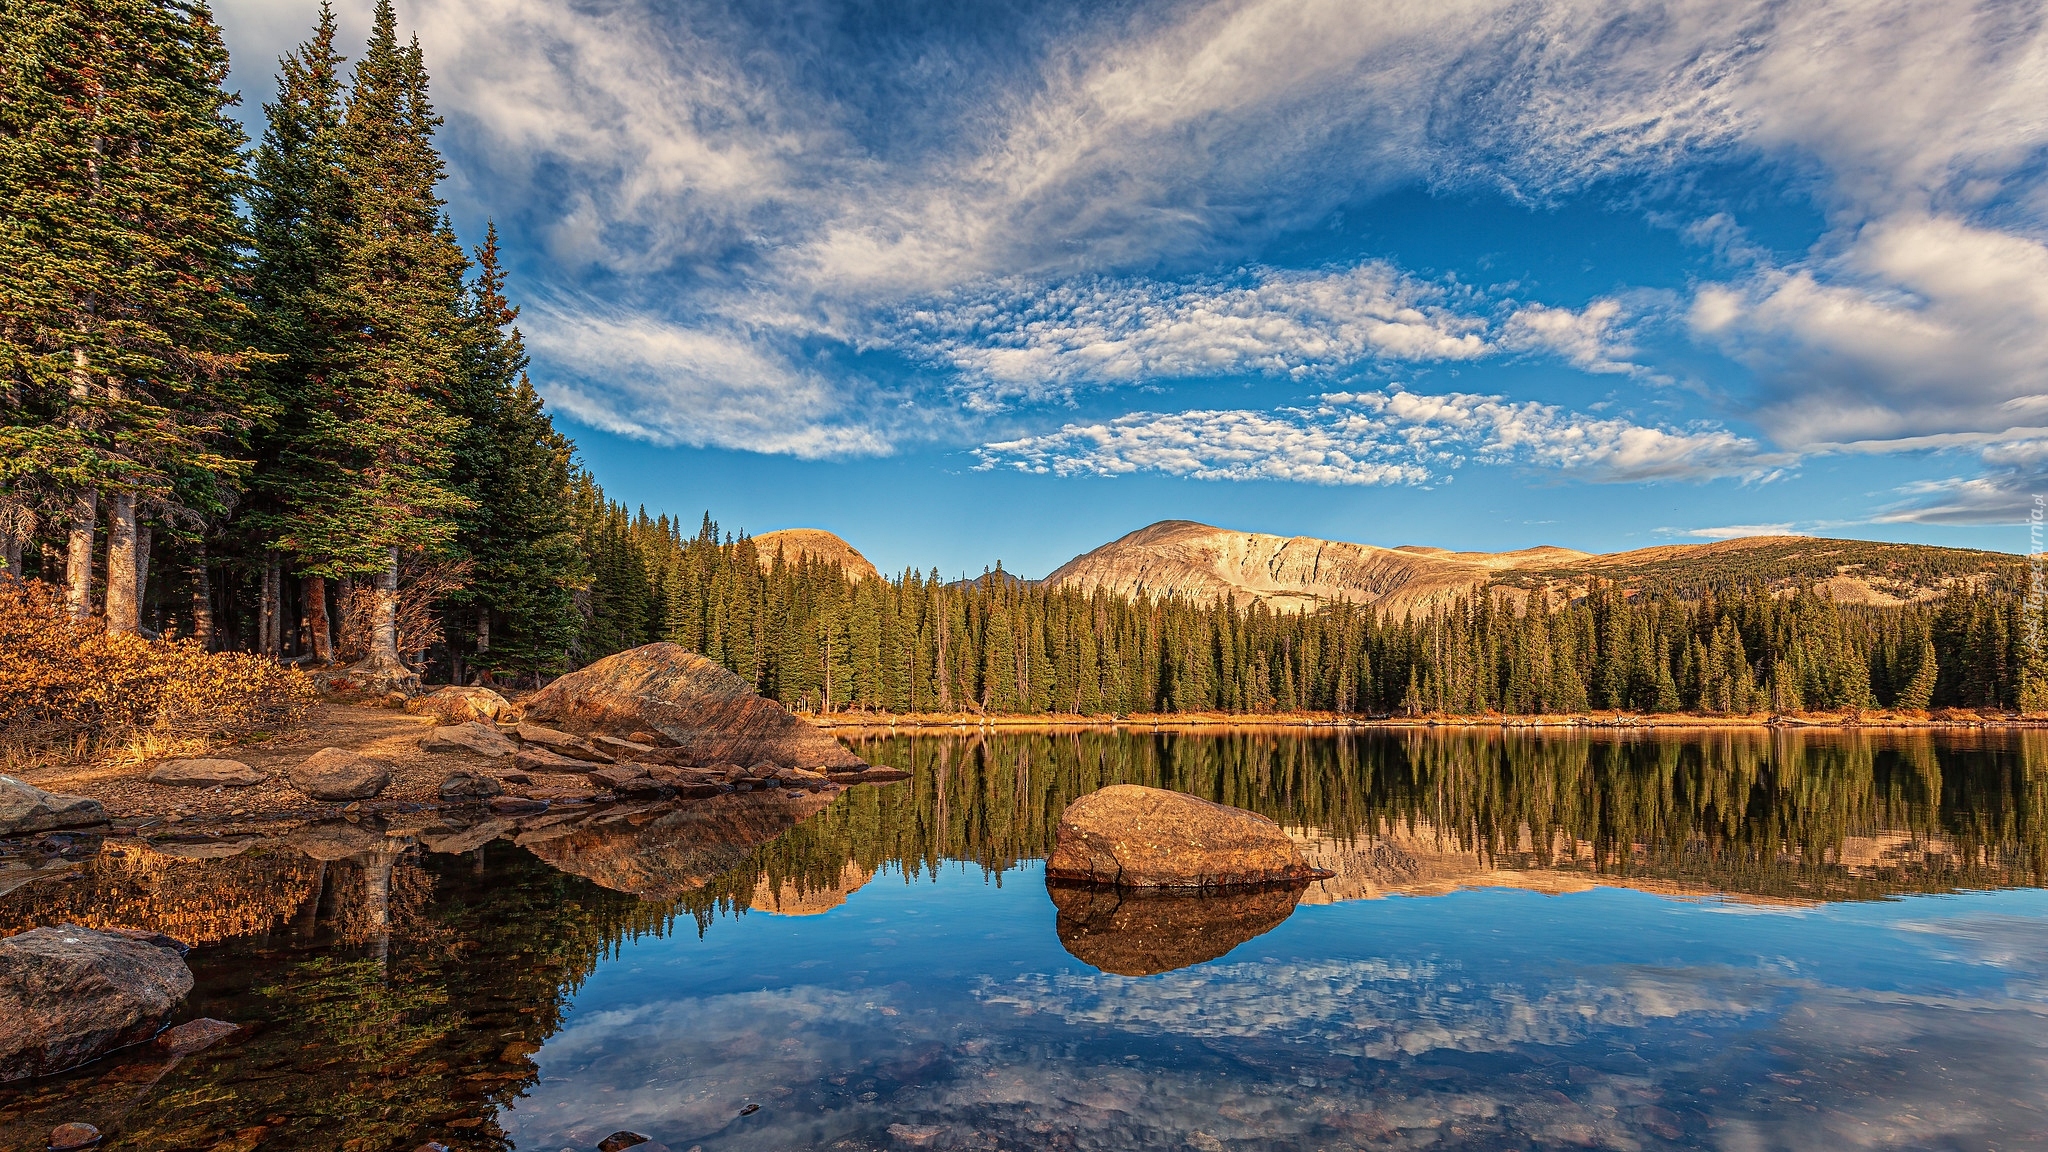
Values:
[(818, 544)]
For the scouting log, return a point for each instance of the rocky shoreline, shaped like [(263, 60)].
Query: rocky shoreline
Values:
[(881, 723)]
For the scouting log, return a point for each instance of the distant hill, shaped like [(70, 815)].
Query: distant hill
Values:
[(1298, 573), (818, 544)]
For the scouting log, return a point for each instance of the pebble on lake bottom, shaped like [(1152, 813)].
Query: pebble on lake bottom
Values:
[(619, 1140), (66, 1137)]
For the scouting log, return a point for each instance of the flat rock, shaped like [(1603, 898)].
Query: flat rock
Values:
[(1135, 837), (699, 708), (542, 760), (613, 774), (561, 743), (457, 705), (69, 995), (626, 748), (517, 805), (643, 788), (338, 774), (206, 774), (1142, 933), (71, 1137), (455, 841), (471, 737), (27, 808), (467, 786)]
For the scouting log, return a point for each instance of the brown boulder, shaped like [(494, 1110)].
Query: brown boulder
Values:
[(699, 708), (27, 808), (472, 737), (1133, 933), (1135, 837), (453, 705), (338, 774), (205, 774), (71, 994)]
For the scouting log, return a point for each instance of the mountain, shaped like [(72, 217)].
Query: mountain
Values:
[(1298, 573), (816, 543)]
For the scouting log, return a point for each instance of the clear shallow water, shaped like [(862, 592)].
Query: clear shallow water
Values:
[(1531, 944)]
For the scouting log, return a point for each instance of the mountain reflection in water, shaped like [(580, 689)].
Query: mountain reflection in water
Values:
[(522, 983)]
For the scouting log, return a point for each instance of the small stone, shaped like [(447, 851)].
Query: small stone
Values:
[(620, 1140), (653, 739), (465, 786), (338, 774), (194, 1036), (205, 774), (517, 805), (544, 760), (750, 1109), (67, 1137)]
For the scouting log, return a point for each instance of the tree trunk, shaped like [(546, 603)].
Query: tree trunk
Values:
[(10, 551), (122, 611), (313, 592), (78, 559), (383, 660), (202, 601), (144, 537), (267, 614)]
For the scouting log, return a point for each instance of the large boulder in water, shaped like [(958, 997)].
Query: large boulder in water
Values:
[(708, 714), (71, 994), (1129, 836), (1145, 933)]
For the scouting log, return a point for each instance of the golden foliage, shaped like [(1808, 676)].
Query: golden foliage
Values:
[(68, 681)]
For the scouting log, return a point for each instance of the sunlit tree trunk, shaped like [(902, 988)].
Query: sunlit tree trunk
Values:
[(78, 557), (202, 601), (122, 612), (313, 594)]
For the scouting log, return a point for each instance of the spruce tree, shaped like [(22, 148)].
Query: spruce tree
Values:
[(1918, 695), (397, 305)]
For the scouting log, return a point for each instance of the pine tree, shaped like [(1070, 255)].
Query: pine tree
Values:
[(119, 167), (398, 303), (1918, 694), (514, 468)]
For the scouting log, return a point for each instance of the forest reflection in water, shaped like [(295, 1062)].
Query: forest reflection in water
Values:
[(408, 979)]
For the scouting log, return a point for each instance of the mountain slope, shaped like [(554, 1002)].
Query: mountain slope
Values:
[(816, 543), (1298, 573)]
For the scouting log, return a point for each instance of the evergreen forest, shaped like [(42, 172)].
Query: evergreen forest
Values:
[(256, 393)]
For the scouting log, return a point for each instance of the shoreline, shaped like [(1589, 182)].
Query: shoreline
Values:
[(869, 724)]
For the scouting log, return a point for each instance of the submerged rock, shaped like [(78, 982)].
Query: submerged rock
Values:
[(27, 808), (195, 1036), (338, 774), (206, 774), (1142, 933), (620, 1141), (472, 737), (699, 709), (69, 995), (1136, 837)]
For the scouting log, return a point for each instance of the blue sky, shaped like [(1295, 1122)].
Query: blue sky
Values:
[(1004, 281)]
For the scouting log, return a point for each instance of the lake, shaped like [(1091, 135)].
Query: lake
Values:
[(1737, 940)]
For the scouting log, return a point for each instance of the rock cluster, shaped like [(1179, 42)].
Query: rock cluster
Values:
[(1129, 836), (69, 995)]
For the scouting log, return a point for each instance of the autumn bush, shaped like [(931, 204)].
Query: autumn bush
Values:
[(66, 682)]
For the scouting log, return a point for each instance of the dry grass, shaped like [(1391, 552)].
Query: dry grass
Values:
[(69, 690)]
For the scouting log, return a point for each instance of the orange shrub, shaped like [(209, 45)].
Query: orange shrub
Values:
[(63, 679)]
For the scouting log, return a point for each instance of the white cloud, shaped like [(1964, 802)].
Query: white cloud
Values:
[(1736, 531), (1027, 340), (1394, 437), (1591, 338)]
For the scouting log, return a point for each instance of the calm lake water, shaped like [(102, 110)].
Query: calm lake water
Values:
[(1739, 941)]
